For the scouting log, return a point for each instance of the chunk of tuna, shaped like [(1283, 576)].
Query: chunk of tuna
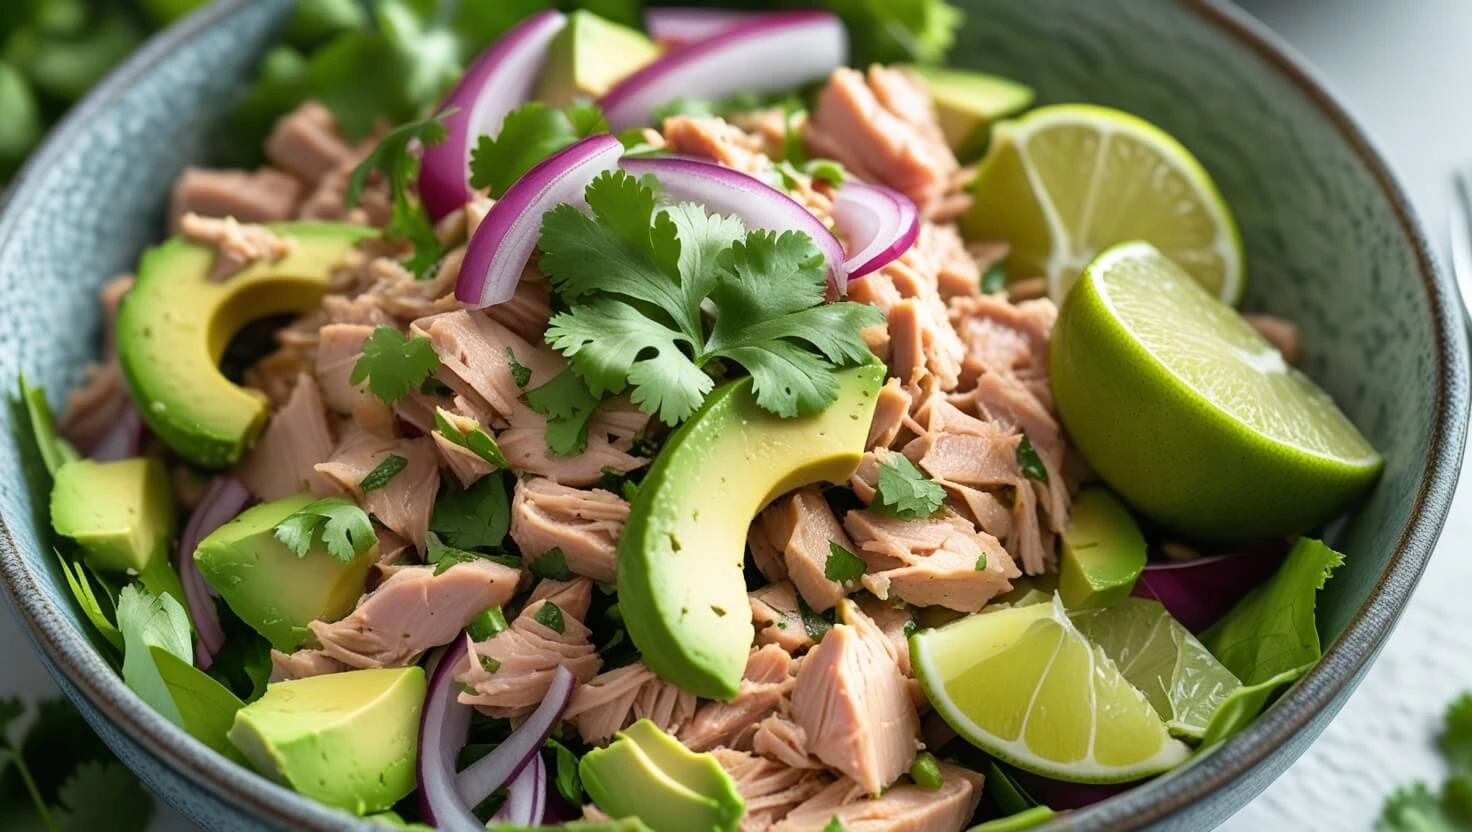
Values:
[(764, 686), (774, 612), (618, 698), (940, 561), (716, 140), (266, 195), (958, 271), (803, 526), (906, 808), (406, 501), (339, 347), (237, 245), (306, 144), (770, 790), (1281, 333), (611, 434), (96, 406), (414, 610), (889, 415), (511, 671), (283, 462), (302, 664), (785, 741), (584, 524)]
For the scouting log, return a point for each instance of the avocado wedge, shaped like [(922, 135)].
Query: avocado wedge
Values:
[(680, 580), (175, 323)]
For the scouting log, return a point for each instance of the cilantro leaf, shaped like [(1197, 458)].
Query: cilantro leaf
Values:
[(815, 624), (102, 796), (1455, 741), (443, 557), (345, 529), (549, 615), (904, 492), (842, 566), (467, 434), (476, 517), (1415, 808), (587, 118), (898, 31), (551, 564), (568, 405), (1272, 630), (395, 160), (520, 373), (569, 783), (383, 473), (1028, 460), (393, 365), (981, 562), (530, 134)]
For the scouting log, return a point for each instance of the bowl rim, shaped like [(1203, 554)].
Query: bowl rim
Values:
[(73, 660)]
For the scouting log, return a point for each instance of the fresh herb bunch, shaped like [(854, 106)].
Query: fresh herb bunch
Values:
[(1416, 808)]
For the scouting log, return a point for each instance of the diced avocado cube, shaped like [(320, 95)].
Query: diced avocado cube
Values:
[(1103, 552), (648, 774), (589, 56), (968, 103)]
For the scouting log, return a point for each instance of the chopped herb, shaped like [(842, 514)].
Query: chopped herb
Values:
[(393, 365), (815, 624), (346, 531), (925, 771), (995, 279), (910, 627), (442, 557), (490, 664), (1415, 808), (635, 277), (552, 564), (565, 768), (521, 374), (467, 433), (383, 473), (549, 615), (834, 825), (477, 517), (1029, 461), (904, 492), (397, 162), (530, 134), (981, 562), (486, 624), (569, 406), (826, 170), (843, 566)]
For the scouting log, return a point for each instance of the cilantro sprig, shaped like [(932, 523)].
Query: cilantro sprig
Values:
[(530, 134), (1416, 808), (395, 160), (904, 492), (343, 527), (393, 364), (842, 566), (637, 277)]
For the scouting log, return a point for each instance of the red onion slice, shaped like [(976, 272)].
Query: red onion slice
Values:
[(680, 26), (526, 801), (499, 81), (1198, 592), (488, 773), (444, 725), (123, 440), (500, 248), (733, 193), (880, 224), (771, 53), (223, 500)]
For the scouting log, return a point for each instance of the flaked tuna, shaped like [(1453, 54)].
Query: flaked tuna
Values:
[(511, 671), (476, 360), (803, 528), (302, 664), (237, 245), (717, 141), (938, 561), (770, 789), (403, 504), (764, 686), (584, 525), (611, 434), (783, 740), (774, 613), (615, 699), (906, 808), (283, 461), (265, 195)]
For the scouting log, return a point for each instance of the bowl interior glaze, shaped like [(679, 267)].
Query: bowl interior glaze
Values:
[(1332, 244)]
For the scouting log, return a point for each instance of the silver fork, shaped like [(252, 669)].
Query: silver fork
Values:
[(1461, 240)]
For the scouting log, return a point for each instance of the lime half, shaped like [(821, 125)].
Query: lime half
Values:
[(1184, 683), (1025, 686), (1065, 182), (1189, 414)]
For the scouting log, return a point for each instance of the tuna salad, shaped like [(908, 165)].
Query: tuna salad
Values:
[(697, 420)]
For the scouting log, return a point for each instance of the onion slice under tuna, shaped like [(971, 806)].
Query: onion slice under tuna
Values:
[(678, 26), (121, 441), (223, 500), (771, 53), (504, 764), (880, 224), (526, 799), (733, 193), (503, 243), (499, 81)]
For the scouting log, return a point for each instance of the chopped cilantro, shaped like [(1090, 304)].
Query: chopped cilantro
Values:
[(898, 31), (396, 161), (489, 664), (981, 562), (468, 434), (394, 365), (551, 564), (925, 771), (1455, 741), (477, 517), (994, 279), (569, 406), (345, 529), (904, 492), (834, 825), (1415, 808), (826, 170), (530, 134), (383, 473), (635, 278), (1028, 460), (486, 624), (815, 624), (842, 566), (910, 627), (442, 557), (549, 615), (522, 375)]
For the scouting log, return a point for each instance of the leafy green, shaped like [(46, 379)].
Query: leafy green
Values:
[(393, 365), (442, 557), (396, 161), (816, 625), (898, 31), (468, 434), (206, 707), (1028, 460), (474, 518), (1415, 808), (1455, 741), (903, 491), (981, 562), (383, 473), (530, 134), (569, 406), (842, 566), (54, 450), (80, 584), (345, 529), (520, 374), (834, 825), (635, 277), (565, 773), (551, 564), (1272, 630), (549, 615)]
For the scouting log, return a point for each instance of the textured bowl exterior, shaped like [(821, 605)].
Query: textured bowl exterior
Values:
[(1331, 241)]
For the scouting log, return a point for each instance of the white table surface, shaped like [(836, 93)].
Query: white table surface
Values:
[(1403, 67)]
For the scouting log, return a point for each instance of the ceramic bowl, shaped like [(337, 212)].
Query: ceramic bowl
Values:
[(1331, 241)]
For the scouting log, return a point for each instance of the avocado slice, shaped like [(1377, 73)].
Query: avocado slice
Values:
[(589, 56), (969, 102), (271, 589), (681, 584), (648, 774), (1103, 552), (345, 739), (175, 323), (122, 515)]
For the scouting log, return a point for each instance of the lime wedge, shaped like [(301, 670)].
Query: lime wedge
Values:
[(1183, 681), (1065, 182), (1189, 414), (1026, 687)]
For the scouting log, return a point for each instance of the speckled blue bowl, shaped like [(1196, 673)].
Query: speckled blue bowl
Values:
[(1332, 243)]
